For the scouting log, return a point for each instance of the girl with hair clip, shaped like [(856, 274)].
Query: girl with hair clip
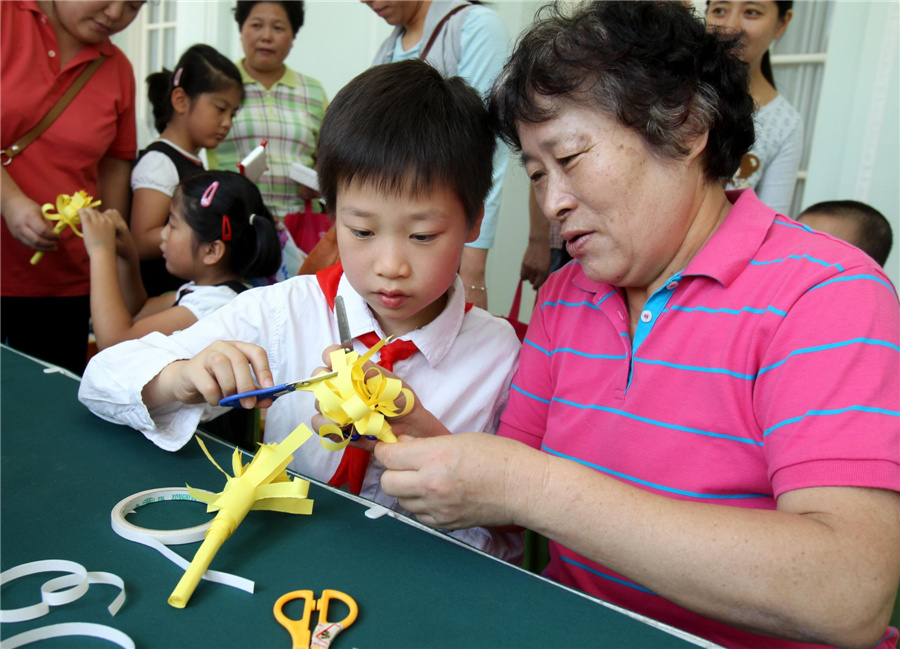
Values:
[(770, 167), (218, 234), (193, 108)]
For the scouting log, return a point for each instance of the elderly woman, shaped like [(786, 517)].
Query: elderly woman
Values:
[(705, 417), (281, 105)]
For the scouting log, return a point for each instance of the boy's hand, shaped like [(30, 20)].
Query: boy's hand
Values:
[(220, 370), (418, 422)]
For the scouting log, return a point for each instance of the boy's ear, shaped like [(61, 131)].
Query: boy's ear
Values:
[(213, 252), (475, 230), (181, 103)]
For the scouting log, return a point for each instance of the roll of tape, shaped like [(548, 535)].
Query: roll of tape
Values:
[(159, 539)]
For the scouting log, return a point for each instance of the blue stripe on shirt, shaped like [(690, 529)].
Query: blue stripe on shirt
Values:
[(746, 309), (645, 420), (833, 411), (754, 262), (569, 350), (652, 485), (618, 580), (851, 278)]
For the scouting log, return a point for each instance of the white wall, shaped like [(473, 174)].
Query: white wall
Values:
[(856, 147)]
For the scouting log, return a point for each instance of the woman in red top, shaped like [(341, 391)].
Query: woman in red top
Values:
[(44, 308)]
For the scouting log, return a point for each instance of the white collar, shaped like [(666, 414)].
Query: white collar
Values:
[(434, 340)]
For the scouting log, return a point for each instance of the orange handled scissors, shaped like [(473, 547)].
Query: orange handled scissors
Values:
[(325, 631)]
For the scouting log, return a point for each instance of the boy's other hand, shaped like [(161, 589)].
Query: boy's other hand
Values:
[(418, 422), (220, 370)]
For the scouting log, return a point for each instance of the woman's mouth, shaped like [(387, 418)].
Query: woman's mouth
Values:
[(576, 242)]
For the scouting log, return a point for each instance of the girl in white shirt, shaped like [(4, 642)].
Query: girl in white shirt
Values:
[(193, 108), (218, 233)]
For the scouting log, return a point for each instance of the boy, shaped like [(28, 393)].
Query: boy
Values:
[(854, 222), (404, 164)]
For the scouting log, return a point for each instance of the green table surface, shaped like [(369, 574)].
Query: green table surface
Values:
[(63, 471)]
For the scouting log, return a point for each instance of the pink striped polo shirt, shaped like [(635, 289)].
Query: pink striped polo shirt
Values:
[(769, 364)]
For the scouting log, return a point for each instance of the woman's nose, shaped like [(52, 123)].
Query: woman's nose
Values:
[(556, 200)]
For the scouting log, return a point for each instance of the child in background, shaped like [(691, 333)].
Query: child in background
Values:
[(856, 223), (193, 108), (405, 160), (218, 234)]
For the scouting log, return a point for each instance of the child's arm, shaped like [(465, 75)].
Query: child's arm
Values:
[(149, 213), (221, 369), (114, 299)]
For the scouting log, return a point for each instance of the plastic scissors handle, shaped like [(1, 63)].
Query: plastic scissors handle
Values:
[(325, 631), (234, 401), (299, 629)]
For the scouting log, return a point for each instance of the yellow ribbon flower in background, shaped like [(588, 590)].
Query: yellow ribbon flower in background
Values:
[(66, 214), (351, 398)]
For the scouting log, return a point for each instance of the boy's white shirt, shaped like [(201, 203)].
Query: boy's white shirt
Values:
[(462, 374)]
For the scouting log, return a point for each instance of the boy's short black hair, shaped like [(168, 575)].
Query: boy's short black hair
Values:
[(404, 128), (875, 236)]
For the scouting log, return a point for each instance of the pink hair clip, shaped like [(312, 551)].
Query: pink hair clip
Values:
[(177, 78), (209, 194), (226, 228)]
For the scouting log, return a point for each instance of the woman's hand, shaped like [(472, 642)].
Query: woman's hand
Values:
[(459, 481), (27, 224), (536, 263)]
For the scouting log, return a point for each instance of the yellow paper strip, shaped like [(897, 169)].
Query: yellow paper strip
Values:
[(261, 484)]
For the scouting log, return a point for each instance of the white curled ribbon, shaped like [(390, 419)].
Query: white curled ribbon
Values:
[(159, 539), (69, 629), (52, 593)]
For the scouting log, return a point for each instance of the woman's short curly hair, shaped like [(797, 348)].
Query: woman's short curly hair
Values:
[(650, 65)]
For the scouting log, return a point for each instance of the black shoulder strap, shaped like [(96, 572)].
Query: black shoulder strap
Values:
[(234, 285), (183, 165)]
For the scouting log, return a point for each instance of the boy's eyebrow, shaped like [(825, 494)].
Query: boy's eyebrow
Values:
[(417, 216)]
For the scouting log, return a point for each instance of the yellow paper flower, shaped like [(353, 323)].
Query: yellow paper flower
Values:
[(351, 398), (263, 483), (66, 214)]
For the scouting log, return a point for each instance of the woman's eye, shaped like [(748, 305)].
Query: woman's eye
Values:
[(565, 161), (536, 176)]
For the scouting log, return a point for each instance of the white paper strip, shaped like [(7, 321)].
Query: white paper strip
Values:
[(69, 629), (159, 539), (52, 593)]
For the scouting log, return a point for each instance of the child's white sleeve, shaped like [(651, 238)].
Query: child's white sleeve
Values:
[(155, 171), (115, 378)]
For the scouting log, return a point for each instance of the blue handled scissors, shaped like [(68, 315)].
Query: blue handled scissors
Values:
[(234, 401)]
